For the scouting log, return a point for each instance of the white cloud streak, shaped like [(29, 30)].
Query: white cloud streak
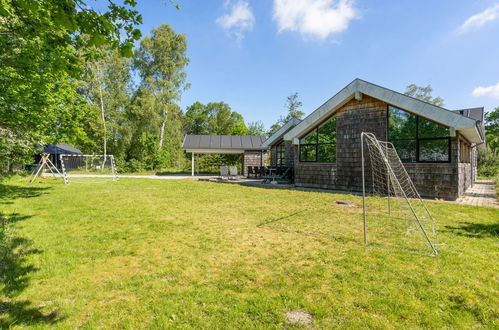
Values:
[(316, 18), (239, 20), (478, 20), (492, 91)]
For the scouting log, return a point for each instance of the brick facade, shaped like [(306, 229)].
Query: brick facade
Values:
[(253, 158), (432, 180)]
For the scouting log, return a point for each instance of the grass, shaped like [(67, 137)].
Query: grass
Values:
[(189, 254)]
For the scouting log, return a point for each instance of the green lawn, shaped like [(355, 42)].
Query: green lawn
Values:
[(189, 254)]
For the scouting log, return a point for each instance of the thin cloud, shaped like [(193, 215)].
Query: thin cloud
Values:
[(239, 20), (492, 91), (317, 18), (478, 20)]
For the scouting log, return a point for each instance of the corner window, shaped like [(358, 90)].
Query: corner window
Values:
[(417, 139), (320, 144)]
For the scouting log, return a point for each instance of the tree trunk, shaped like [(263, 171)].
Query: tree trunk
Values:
[(103, 117), (162, 130)]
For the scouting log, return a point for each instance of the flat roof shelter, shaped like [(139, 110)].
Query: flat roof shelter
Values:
[(248, 146)]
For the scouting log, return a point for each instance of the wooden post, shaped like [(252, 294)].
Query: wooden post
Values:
[(192, 164)]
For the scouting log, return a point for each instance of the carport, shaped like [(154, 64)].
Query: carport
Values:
[(250, 147)]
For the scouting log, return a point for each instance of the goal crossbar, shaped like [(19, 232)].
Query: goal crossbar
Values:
[(103, 160)]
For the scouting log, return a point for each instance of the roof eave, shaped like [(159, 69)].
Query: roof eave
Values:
[(280, 132), (413, 105)]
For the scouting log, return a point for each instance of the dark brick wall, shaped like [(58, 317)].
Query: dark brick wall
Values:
[(253, 158), (432, 180), (315, 175), (355, 117)]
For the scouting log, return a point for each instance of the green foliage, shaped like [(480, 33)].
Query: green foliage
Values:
[(256, 128), (214, 118), (423, 93), (43, 49), (293, 105), (66, 77), (15, 149), (161, 60), (492, 129), (488, 163), (106, 88)]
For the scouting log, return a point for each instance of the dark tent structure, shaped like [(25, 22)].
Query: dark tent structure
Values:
[(55, 150)]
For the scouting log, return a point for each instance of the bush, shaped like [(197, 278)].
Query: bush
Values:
[(488, 163), (133, 165)]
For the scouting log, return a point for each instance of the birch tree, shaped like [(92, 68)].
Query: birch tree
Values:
[(161, 61), (106, 87)]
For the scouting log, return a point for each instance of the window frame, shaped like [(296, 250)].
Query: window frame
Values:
[(417, 139), (280, 151), (316, 144)]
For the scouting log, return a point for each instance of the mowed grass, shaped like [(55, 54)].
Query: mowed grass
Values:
[(187, 254)]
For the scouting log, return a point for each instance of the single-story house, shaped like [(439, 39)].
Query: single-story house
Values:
[(437, 146)]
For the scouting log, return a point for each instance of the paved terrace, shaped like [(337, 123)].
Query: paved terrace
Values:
[(483, 193)]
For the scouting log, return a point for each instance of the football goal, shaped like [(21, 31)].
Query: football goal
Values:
[(88, 168), (384, 175)]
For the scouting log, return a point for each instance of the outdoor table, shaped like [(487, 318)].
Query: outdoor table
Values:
[(272, 173)]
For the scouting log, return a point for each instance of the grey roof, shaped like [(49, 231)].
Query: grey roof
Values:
[(223, 142), (60, 149), (465, 125), (277, 136), (473, 113)]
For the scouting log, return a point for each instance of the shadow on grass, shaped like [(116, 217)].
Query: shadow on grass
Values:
[(14, 268), (475, 230), (11, 192)]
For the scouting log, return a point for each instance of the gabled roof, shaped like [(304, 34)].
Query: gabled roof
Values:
[(466, 126), (280, 133), (222, 143), (60, 149)]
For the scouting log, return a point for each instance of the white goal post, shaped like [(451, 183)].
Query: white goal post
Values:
[(388, 177), (100, 168)]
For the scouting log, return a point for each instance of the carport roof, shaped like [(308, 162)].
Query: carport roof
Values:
[(222, 143)]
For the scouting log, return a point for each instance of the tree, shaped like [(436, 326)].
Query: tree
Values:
[(106, 87), (492, 129), (256, 128), (41, 43), (293, 106), (214, 118), (43, 49), (423, 93), (161, 61)]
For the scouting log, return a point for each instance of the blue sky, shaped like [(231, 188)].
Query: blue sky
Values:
[(251, 54)]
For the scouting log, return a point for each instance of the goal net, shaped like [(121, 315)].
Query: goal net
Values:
[(88, 168), (384, 176)]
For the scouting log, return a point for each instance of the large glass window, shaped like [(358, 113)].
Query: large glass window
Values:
[(281, 161), (417, 139), (320, 144)]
